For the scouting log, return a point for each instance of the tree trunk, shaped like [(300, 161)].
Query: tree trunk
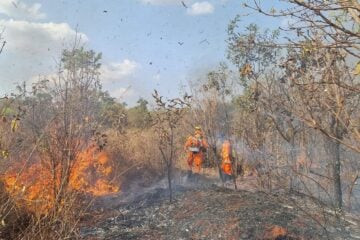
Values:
[(234, 168), (169, 173), (292, 173), (218, 162), (336, 169), (333, 150)]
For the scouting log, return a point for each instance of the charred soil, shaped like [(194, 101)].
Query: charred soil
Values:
[(209, 211)]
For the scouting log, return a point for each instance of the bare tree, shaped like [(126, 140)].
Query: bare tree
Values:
[(314, 81), (337, 21), (167, 116)]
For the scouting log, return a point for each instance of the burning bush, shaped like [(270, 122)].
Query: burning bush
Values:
[(92, 173), (34, 186), (29, 200)]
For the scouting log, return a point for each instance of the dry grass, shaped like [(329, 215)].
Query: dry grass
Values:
[(18, 222), (134, 147), (137, 157), (135, 160)]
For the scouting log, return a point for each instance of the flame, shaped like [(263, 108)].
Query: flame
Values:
[(34, 187), (91, 172)]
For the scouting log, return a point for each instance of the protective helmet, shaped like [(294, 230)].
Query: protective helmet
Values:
[(198, 131)]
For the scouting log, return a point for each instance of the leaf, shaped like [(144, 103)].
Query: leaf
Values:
[(4, 154), (273, 11), (357, 69), (14, 125), (7, 111), (246, 70)]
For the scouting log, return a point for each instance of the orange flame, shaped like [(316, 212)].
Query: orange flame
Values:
[(34, 187), (91, 172)]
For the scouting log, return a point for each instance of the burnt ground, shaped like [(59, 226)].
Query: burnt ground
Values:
[(208, 211)]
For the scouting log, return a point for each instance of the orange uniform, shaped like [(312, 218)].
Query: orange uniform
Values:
[(226, 157), (196, 146)]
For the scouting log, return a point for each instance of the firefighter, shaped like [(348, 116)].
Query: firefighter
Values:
[(226, 161), (196, 147)]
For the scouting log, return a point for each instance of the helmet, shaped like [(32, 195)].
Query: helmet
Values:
[(198, 131)]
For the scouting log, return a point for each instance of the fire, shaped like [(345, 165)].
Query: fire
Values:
[(91, 173), (32, 187)]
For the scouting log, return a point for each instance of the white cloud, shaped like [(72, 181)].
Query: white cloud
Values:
[(19, 10), (119, 70), (162, 2), (38, 38), (32, 49), (197, 8), (201, 8)]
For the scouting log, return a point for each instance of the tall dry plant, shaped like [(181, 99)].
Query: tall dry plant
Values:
[(312, 78), (167, 116), (61, 122)]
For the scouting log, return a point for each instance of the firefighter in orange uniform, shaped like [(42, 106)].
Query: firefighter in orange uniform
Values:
[(196, 146), (227, 159)]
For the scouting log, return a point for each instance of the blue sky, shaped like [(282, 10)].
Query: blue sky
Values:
[(146, 44)]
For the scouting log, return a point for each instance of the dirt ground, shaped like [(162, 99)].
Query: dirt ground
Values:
[(205, 209)]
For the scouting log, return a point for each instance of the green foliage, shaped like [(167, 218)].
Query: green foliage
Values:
[(245, 101), (114, 114), (139, 116), (79, 59), (218, 80), (81, 70), (251, 50)]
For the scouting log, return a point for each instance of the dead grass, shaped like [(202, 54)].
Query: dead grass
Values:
[(18, 222)]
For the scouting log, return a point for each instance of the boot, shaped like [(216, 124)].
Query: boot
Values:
[(189, 175), (196, 177)]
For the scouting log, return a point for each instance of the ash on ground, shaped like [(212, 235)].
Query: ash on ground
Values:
[(205, 210)]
